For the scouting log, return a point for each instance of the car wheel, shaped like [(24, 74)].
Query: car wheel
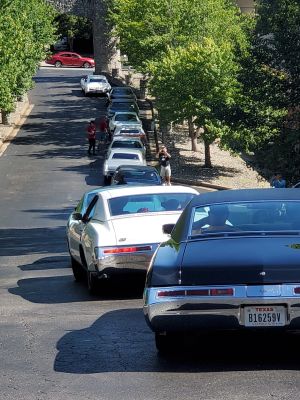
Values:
[(86, 65), (163, 342), (58, 64), (93, 284), (78, 271)]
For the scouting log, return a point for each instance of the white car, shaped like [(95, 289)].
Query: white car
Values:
[(120, 142), (119, 157), (95, 84), (106, 232), (124, 119)]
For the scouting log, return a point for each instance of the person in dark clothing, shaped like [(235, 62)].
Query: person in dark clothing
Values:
[(165, 168), (278, 182), (91, 134)]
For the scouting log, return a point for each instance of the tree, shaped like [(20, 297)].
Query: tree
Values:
[(72, 27), (26, 31), (193, 83)]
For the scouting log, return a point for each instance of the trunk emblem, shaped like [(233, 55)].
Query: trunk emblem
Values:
[(262, 273), (122, 239)]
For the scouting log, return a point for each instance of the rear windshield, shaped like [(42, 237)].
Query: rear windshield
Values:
[(101, 80), (125, 156), (122, 91), (130, 131), (125, 117), (158, 202), (128, 144), (240, 218)]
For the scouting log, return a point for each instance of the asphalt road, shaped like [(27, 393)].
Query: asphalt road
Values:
[(56, 342)]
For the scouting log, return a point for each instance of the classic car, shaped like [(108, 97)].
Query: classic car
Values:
[(125, 119), (106, 232), (121, 92), (118, 157), (70, 59), (120, 142), (121, 105), (94, 84), (136, 175), (232, 262)]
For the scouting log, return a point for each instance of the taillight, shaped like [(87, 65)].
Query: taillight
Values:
[(297, 290), (221, 292), (196, 292), (120, 250)]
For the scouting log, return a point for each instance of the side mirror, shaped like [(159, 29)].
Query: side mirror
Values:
[(77, 216), (167, 228)]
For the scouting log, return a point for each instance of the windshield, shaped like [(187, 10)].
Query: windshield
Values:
[(240, 218), (125, 117), (126, 156), (157, 202)]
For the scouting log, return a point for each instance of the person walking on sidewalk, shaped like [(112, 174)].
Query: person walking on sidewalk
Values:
[(91, 134), (165, 167), (103, 126)]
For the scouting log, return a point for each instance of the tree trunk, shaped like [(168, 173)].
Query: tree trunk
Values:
[(207, 162), (71, 43), (4, 117), (193, 135), (143, 87)]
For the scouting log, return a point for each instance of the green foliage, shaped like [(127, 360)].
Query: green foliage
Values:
[(73, 26), (26, 31)]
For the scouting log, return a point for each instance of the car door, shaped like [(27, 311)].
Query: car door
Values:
[(65, 58), (76, 226), (76, 60)]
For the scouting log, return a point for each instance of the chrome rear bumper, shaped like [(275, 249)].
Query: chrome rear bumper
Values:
[(198, 313)]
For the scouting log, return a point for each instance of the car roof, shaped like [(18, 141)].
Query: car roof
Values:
[(113, 191), (122, 88), (124, 100), (125, 150), (125, 112), (227, 196), (97, 76), (125, 139)]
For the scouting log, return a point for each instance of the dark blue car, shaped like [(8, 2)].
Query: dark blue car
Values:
[(232, 262)]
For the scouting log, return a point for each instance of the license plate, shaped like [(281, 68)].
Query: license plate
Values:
[(261, 316)]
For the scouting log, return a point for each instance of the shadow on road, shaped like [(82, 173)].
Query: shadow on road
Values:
[(120, 341)]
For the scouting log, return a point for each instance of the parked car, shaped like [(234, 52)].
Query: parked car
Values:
[(70, 59), (136, 175), (97, 84), (232, 262), (121, 92), (118, 157), (106, 232), (134, 131), (124, 119), (61, 44), (122, 105), (119, 142)]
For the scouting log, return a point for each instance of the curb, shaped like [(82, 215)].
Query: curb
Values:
[(13, 129), (199, 183)]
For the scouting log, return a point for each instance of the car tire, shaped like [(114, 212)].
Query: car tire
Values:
[(163, 342), (107, 180), (93, 284), (78, 271), (58, 64), (86, 65)]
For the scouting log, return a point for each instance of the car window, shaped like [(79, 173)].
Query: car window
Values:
[(125, 117), (74, 55), (263, 216), (126, 156), (98, 80), (65, 55), (127, 144), (158, 202)]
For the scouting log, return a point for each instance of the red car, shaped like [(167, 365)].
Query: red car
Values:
[(70, 59)]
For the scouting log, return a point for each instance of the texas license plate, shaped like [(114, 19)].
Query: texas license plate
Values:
[(260, 316)]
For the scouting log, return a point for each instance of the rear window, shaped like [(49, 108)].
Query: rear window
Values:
[(125, 156), (125, 117), (158, 202), (144, 176), (266, 216), (128, 144), (101, 80), (122, 91), (130, 131)]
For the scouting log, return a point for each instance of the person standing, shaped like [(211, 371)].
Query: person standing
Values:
[(103, 126), (91, 134), (165, 167), (277, 181)]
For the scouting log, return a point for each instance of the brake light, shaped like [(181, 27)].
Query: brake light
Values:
[(297, 290), (171, 293), (120, 250), (197, 292), (221, 292)]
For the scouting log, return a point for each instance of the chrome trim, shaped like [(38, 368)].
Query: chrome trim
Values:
[(216, 312)]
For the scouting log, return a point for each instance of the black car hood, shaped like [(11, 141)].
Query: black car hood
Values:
[(246, 260)]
